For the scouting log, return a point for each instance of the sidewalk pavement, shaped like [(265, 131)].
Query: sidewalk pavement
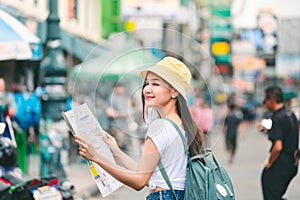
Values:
[(245, 171)]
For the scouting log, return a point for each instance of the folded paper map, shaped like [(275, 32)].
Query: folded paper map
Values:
[(81, 121)]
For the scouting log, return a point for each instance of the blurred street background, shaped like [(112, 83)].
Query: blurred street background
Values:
[(245, 170), (56, 54)]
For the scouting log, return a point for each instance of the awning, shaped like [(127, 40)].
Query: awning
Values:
[(17, 42), (125, 62)]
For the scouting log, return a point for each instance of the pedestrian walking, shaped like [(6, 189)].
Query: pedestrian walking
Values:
[(231, 127), (282, 165), (163, 96), (7, 109), (204, 117), (118, 114)]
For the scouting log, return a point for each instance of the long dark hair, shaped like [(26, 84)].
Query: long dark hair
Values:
[(195, 135)]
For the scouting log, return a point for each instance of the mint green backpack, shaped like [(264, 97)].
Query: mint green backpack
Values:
[(208, 181)]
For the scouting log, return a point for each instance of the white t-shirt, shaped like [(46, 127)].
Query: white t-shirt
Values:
[(172, 154)]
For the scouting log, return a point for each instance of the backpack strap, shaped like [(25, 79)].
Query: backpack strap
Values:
[(166, 177), (180, 133), (161, 166)]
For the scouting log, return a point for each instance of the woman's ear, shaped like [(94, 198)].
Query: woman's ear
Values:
[(174, 94)]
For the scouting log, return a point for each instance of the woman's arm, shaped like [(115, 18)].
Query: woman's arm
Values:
[(135, 178), (118, 154)]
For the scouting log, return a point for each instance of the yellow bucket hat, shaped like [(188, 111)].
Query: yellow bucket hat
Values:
[(174, 72)]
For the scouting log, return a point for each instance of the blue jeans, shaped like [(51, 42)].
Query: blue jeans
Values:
[(166, 195)]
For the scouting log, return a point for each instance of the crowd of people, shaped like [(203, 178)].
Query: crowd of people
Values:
[(163, 96)]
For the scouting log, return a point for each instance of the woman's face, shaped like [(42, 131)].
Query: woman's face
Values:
[(156, 91)]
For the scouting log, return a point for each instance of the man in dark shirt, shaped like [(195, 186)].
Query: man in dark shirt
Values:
[(282, 164)]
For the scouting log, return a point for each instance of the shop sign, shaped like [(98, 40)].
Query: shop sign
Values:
[(288, 65), (224, 69), (220, 48), (215, 3), (220, 11), (240, 62)]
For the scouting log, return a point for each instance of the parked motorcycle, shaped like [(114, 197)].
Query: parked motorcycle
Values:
[(12, 185)]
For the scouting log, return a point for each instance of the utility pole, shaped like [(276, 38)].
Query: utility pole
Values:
[(53, 98), (53, 68)]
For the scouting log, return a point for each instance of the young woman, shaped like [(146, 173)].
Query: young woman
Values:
[(163, 96)]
